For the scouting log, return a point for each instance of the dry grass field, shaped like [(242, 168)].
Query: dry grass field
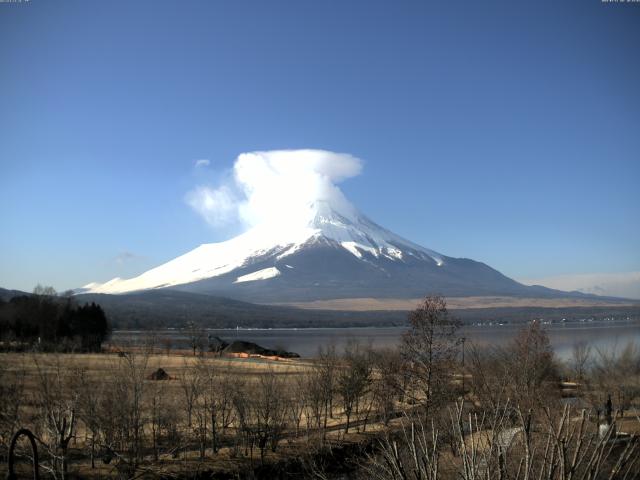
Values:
[(454, 303), (138, 411), (74, 380)]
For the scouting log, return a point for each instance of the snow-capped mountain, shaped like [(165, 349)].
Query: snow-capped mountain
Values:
[(324, 251)]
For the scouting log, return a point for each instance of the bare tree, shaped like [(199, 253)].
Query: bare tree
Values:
[(269, 406), (616, 372), (123, 412), (202, 410), (430, 348), (214, 403), (490, 379), (324, 390), (314, 402), (551, 447), (44, 292), (197, 337), (580, 357), (190, 385), (531, 367), (160, 415), (387, 382), (354, 379), (296, 401), (167, 344), (90, 394), (243, 396), (57, 402)]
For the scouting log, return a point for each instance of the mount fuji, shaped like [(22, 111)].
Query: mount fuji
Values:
[(326, 250)]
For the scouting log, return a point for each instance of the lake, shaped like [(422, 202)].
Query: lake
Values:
[(602, 335)]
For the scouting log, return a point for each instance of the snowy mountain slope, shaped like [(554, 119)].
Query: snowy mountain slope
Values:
[(352, 231), (326, 251)]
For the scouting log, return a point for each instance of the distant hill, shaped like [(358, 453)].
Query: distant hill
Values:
[(169, 308), (7, 295)]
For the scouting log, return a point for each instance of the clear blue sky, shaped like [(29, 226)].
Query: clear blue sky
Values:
[(507, 132)]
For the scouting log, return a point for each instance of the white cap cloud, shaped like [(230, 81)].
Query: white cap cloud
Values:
[(216, 205), (275, 186)]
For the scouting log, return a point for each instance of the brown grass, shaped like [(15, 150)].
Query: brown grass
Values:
[(97, 367), (377, 304)]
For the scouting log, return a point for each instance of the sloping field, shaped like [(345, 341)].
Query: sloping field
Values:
[(455, 303)]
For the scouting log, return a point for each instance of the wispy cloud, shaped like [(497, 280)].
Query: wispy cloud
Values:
[(625, 284), (203, 162), (125, 257)]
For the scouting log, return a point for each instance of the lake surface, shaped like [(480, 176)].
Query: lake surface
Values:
[(613, 335)]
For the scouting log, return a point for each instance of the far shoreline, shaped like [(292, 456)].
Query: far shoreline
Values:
[(592, 323)]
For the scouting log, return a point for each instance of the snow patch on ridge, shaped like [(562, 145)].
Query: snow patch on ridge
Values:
[(394, 253), (263, 274), (351, 247)]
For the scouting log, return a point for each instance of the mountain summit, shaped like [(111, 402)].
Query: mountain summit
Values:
[(323, 250)]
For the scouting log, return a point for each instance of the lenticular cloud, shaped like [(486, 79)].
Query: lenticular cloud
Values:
[(275, 187)]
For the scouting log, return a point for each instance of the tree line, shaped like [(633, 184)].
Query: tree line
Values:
[(48, 321)]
